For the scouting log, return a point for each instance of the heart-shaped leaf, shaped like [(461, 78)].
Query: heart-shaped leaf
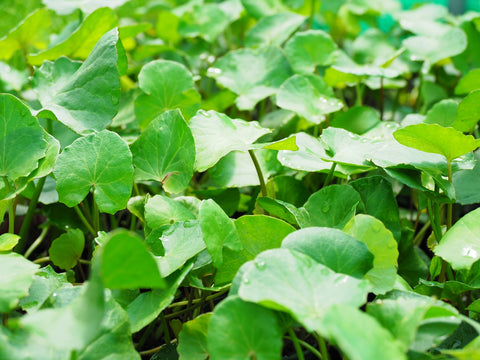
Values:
[(85, 96), (67, 249), (165, 152), (102, 161)]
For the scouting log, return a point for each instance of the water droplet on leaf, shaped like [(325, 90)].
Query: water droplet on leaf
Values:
[(260, 264)]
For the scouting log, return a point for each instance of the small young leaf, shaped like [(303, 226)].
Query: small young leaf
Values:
[(67, 249), (437, 139), (102, 160), (8, 241), (468, 112)]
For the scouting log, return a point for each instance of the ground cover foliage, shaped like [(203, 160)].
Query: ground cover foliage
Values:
[(282, 179)]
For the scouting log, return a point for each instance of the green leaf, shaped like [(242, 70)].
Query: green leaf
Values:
[(436, 48), (264, 8), (273, 29), (85, 98), (167, 85), (218, 230), (437, 139), (165, 152), (216, 135), (127, 264), (285, 211), (21, 138), (90, 160), (359, 336), (460, 246), (308, 49), (468, 112), (192, 340), (161, 210), (45, 285), (17, 276), (333, 248), (379, 200), (241, 330), (253, 74), (80, 44), (290, 281), (382, 245), (148, 305), (442, 113), (8, 241), (32, 33), (471, 351), (469, 82), (467, 185), (182, 241), (357, 119), (309, 97), (333, 206), (257, 233), (67, 7), (67, 249)]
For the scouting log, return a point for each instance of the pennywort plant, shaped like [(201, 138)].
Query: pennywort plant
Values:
[(239, 180)]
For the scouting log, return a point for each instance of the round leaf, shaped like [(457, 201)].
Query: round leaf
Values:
[(167, 85), (67, 249), (290, 281), (126, 264), (442, 113), (252, 74), (216, 135), (240, 330), (382, 245), (192, 340), (21, 138), (437, 139), (161, 210), (469, 82), (333, 248), (165, 152), (308, 49), (309, 97), (460, 246), (102, 160)]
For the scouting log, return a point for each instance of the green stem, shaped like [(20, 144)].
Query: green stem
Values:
[(359, 90), (296, 344), (135, 189), (166, 331), (208, 298), (450, 205), (154, 350), (11, 207), (37, 242), (27, 221), (96, 215), (329, 177), (307, 346), (323, 347), (312, 13), (84, 220), (41, 260), (381, 98), (263, 187), (418, 238)]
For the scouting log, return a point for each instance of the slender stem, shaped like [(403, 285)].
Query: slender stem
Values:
[(37, 242), (5, 320), (84, 220), (154, 350), (418, 238), (86, 262), (211, 297), (359, 90), (382, 100), (41, 260), (307, 346), (296, 344), (450, 205), (96, 216), (263, 187), (22, 243), (11, 208), (323, 347), (166, 331), (330, 175), (312, 13), (395, 105), (135, 189)]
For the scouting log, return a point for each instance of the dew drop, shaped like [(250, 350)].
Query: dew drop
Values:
[(54, 295), (211, 59), (214, 71), (246, 281), (325, 208), (66, 226), (260, 264), (469, 252), (364, 141)]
